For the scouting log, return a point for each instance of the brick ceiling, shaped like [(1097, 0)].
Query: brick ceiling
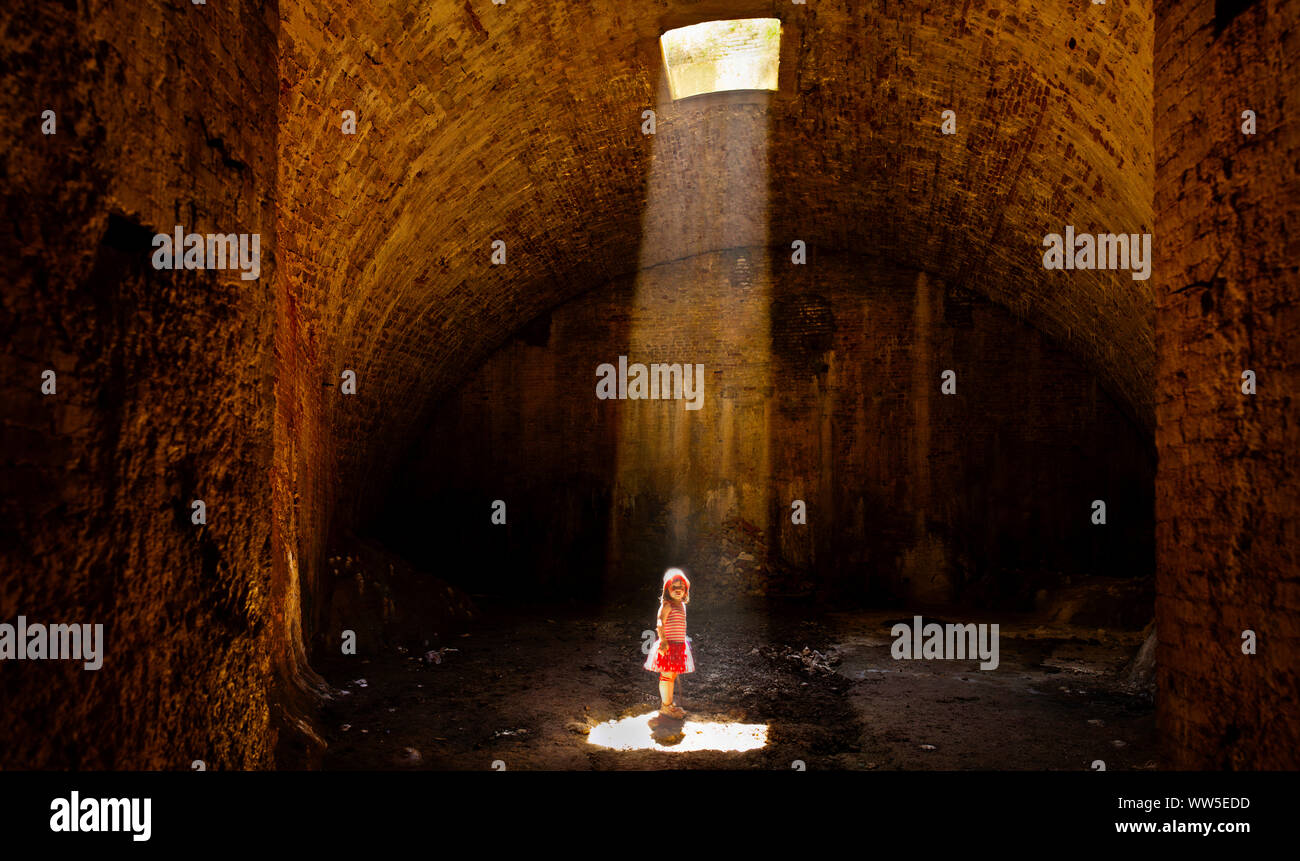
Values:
[(522, 122)]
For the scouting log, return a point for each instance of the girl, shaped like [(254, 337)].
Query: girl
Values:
[(671, 653)]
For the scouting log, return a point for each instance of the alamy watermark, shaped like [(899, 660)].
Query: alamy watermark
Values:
[(75, 813), (1103, 251), (179, 250), (654, 382), (935, 642), (37, 642)]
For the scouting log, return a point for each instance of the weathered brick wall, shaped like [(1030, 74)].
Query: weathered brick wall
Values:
[(165, 116), (1228, 485), (983, 496)]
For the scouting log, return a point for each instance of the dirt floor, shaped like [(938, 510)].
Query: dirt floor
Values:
[(522, 690)]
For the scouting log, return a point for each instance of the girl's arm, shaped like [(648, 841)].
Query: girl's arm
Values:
[(659, 627)]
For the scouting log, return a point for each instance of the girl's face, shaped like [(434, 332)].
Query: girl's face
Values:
[(677, 589)]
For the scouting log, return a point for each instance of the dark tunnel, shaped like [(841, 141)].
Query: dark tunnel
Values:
[(437, 495)]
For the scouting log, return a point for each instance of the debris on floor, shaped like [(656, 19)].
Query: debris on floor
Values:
[(436, 655), (408, 756), (811, 660)]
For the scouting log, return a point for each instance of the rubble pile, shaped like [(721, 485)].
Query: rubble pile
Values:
[(808, 660)]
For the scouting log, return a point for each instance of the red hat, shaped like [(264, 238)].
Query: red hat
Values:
[(677, 574)]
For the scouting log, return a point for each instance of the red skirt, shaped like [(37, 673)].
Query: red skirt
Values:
[(678, 659)]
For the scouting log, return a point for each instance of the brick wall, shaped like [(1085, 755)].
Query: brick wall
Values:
[(165, 116), (983, 496), (1228, 484)]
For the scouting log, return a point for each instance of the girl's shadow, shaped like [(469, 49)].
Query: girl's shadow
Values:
[(666, 730)]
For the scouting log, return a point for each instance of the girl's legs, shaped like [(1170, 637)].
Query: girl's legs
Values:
[(666, 688)]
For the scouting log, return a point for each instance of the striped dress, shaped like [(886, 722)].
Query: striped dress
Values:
[(679, 658), (675, 625)]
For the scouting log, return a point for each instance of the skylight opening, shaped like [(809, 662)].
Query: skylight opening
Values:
[(715, 56)]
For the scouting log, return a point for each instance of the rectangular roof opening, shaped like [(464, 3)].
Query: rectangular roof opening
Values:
[(740, 54)]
